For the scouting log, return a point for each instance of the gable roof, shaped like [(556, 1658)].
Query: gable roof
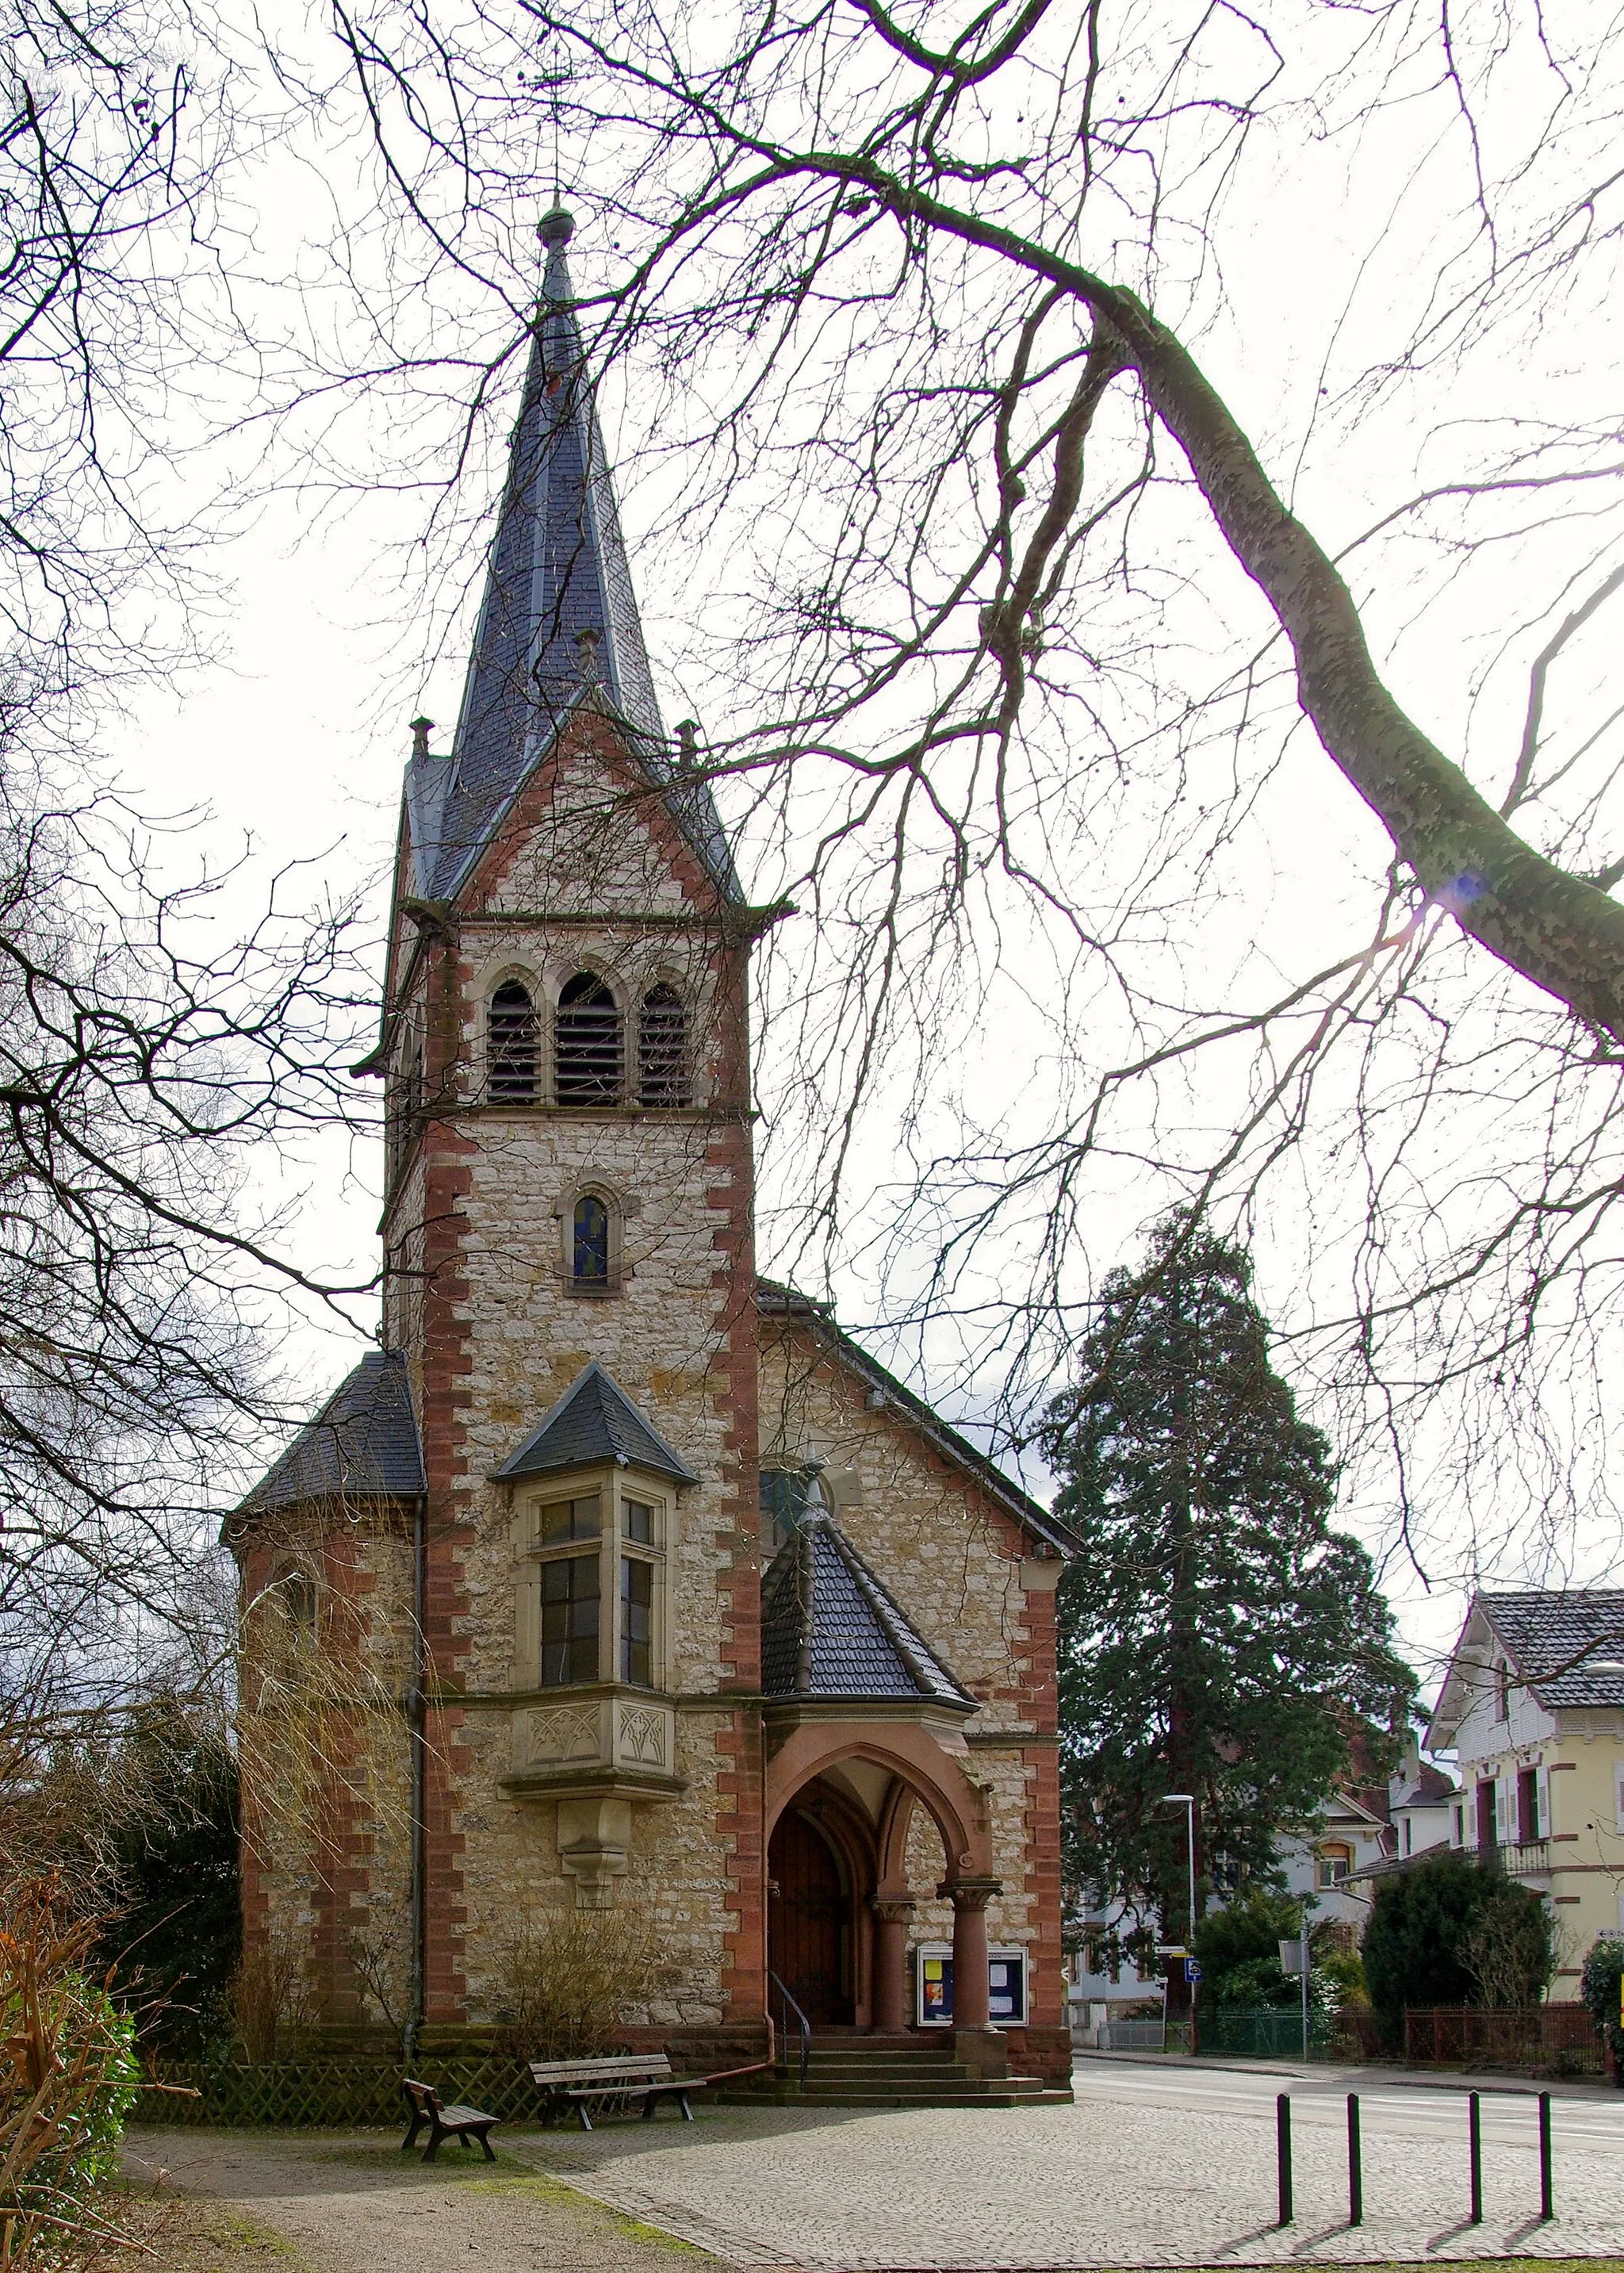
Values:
[(777, 1302), (1568, 1647), (557, 570), (831, 1629), (595, 1423), (362, 1445)]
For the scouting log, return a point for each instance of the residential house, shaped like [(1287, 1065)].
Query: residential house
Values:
[(1533, 1702)]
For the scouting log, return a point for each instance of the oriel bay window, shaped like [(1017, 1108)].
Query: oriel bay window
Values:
[(599, 1551)]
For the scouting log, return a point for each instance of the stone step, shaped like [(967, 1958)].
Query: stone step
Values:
[(984, 2095)]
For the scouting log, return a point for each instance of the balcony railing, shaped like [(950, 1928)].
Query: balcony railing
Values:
[(1522, 1858)]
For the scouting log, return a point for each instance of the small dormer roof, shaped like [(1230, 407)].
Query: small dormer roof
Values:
[(595, 1424), (830, 1629)]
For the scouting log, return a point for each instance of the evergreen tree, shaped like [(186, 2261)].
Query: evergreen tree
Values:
[(1217, 1636)]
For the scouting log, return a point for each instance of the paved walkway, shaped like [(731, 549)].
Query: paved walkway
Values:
[(1151, 2167), (1156, 2164)]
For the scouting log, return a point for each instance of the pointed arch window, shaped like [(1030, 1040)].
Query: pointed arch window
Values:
[(662, 1049), (589, 1042), (511, 1044), (590, 1259)]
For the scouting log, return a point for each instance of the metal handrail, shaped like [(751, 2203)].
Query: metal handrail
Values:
[(806, 2025)]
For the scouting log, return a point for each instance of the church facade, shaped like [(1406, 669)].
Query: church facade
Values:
[(622, 1581)]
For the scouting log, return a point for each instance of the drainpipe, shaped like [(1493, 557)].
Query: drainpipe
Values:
[(417, 1709)]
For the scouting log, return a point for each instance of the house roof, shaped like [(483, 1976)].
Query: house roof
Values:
[(362, 1445), (557, 570), (777, 1302), (1429, 1787), (595, 1423), (830, 1628), (1567, 1647)]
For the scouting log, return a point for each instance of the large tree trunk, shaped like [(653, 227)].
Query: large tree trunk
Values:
[(1564, 935)]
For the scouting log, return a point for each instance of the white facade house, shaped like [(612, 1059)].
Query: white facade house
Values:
[(1351, 1837), (1533, 1702)]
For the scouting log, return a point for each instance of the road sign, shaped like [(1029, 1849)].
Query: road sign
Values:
[(1192, 1968), (1171, 1949)]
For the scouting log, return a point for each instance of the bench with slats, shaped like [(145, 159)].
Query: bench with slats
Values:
[(424, 2105), (611, 2086)]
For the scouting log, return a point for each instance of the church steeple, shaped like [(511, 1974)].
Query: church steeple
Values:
[(559, 620)]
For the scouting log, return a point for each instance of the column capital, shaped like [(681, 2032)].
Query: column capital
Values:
[(970, 1894), (893, 1909)]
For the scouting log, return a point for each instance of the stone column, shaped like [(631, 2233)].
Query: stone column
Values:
[(891, 1922), (975, 2042)]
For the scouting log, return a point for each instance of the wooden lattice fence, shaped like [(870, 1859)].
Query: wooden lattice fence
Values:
[(333, 2094)]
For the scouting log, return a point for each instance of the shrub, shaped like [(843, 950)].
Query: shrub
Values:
[(70, 2080), (1453, 1931), (1598, 1987), (569, 1977), (1248, 1930)]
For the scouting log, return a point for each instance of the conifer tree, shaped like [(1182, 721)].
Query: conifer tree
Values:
[(1217, 1636)]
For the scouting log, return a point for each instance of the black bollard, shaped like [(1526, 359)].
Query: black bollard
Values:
[(1545, 2210), (1474, 2137), (1283, 2154), (1356, 2174)]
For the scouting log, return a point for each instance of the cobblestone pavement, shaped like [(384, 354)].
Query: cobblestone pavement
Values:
[(1149, 2167)]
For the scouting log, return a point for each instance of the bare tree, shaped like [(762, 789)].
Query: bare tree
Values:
[(155, 1043), (1011, 629)]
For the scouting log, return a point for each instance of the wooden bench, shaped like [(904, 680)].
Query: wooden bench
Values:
[(612, 2085), (424, 2105)]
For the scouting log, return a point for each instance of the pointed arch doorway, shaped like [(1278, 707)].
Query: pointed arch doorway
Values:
[(810, 1919)]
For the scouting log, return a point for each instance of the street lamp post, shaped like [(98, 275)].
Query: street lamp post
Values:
[(1186, 1800)]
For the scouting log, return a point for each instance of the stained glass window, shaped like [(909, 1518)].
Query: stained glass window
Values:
[(591, 1250)]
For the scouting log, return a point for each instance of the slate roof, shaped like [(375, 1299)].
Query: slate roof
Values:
[(558, 568), (1563, 1636), (774, 1301), (362, 1445), (1430, 1788), (829, 1628), (595, 1421)]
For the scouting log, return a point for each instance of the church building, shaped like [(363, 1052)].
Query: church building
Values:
[(618, 1590)]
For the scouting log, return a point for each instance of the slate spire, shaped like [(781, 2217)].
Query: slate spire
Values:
[(559, 618)]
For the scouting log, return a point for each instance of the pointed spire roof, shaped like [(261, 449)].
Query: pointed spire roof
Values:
[(594, 1423), (559, 620), (830, 1629)]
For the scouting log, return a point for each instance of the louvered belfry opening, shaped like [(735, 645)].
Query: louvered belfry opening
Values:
[(513, 1044), (589, 1048), (662, 1049)]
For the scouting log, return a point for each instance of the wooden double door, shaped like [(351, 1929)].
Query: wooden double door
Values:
[(809, 1921)]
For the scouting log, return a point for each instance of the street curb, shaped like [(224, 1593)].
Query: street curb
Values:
[(1370, 2078)]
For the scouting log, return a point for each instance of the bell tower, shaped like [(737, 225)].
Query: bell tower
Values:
[(570, 1280)]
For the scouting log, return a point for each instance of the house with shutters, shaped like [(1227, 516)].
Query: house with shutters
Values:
[(618, 1582), (1533, 1705)]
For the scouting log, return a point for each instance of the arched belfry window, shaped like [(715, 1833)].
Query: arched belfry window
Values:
[(662, 1049), (511, 1044), (589, 1042), (589, 1244)]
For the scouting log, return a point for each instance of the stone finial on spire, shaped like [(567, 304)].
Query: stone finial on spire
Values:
[(422, 727), (587, 654)]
